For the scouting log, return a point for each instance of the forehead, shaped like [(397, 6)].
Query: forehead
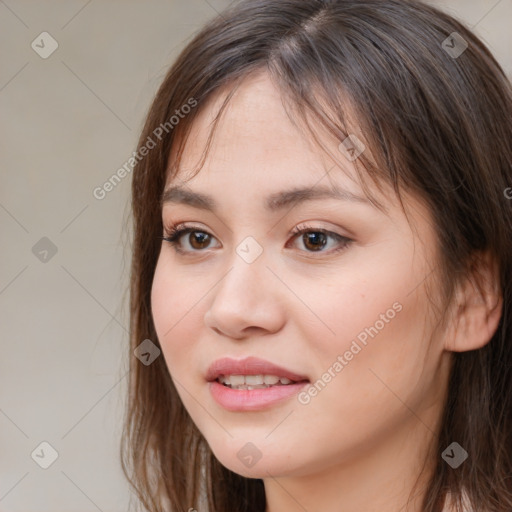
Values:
[(255, 137)]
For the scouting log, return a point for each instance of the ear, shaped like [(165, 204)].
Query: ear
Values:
[(477, 306)]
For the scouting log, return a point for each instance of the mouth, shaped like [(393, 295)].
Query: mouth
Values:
[(252, 384), (251, 371), (260, 381)]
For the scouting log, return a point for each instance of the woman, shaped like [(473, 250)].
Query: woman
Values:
[(322, 253)]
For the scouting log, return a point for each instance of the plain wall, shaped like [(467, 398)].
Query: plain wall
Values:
[(68, 122)]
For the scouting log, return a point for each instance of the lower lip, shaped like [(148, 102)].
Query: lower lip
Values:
[(252, 399)]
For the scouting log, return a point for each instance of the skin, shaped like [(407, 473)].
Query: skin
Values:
[(360, 442)]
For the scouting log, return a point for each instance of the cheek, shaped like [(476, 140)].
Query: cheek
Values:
[(177, 314), (374, 392), (379, 318), (366, 301)]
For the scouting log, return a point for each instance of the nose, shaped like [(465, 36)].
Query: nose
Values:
[(247, 301)]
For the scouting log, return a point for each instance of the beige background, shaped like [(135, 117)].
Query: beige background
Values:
[(68, 123)]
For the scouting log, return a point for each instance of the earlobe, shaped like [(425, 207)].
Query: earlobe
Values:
[(477, 307)]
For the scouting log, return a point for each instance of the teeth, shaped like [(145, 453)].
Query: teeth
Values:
[(271, 379), (235, 380), (252, 381)]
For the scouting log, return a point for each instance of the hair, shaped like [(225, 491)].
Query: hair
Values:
[(437, 124)]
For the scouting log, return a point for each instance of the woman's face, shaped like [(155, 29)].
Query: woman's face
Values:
[(342, 305)]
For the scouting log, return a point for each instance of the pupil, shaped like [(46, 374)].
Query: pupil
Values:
[(314, 238), (200, 238)]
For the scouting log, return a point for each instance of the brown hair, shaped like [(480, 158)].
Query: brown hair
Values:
[(436, 123)]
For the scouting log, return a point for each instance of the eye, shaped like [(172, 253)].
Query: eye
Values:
[(200, 239), (315, 239)]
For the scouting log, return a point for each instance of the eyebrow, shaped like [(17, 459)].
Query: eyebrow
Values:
[(274, 202)]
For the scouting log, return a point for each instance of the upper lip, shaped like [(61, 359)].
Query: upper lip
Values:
[(249, 366)]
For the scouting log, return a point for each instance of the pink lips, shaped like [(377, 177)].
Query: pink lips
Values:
[(241, 400), (249, 366)]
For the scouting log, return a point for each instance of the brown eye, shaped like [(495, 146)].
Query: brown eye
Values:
[(199, 239), (187, 239), (314, 240)]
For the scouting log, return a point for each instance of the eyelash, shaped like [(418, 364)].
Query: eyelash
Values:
[(174, 233)]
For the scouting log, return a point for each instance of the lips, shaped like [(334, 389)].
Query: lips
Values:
[(250, 366)]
